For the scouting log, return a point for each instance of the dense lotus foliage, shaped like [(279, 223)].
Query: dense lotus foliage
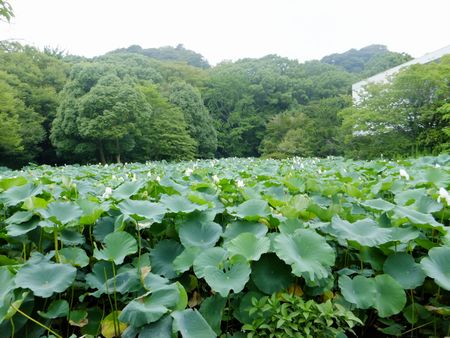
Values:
[(223, 247)]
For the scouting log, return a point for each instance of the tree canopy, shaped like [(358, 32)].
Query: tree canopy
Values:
[(138, 104)]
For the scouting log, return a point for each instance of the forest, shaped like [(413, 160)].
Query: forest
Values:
[(135, 104)]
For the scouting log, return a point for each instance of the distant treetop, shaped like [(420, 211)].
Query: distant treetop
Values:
[(169, 53), (367, 61)]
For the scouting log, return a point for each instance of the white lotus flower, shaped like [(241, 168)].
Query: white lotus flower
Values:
[(144, 225), (443, 196), (215, 178), (404, 174), (188, 172), (240, 183), (107, 193)]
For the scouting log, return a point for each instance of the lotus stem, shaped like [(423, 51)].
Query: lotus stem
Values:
[(35, 321)]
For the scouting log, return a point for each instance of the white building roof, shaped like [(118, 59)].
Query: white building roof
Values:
[(383, 77)]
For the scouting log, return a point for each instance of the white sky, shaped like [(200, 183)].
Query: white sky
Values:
[(232, 29)]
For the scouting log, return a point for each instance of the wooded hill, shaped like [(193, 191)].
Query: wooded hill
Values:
[(137, 104)]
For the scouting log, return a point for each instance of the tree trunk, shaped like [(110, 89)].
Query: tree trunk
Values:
[(101, 152), (117, 151)]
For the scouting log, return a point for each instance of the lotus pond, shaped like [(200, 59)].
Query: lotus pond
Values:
[(230, 248)]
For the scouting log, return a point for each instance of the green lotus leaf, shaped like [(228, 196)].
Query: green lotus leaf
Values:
[(270, 274), (103, 227), (153, 282), (234, 229), (7, 183), (19, 217), (210, 257), (17, 194), (15, 230), (437, 266), (118, 245), (427, 205), (56, 309), (127, 189), (359, 290), (6, 295), (409, 196), (248, 246), (71, 237), (404, 269), (212, 310), (185, 260), (91, 211), (404, 235), (45, 278), (437, 176), (251, 210), (162, 257), (390, 298), (307, 252), (74, 256), (177, 204), (233, 276), (101, 272), (33, 203), (149, 309), (172, 296), (415, 217), (191, 324), (160, 329), (366, 231), (62, 212), (199, 234), (382, 292), (151, 211), (415, 312), (378, 204), (290, 226)]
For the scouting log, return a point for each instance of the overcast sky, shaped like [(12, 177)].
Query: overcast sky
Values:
[(232, 29)]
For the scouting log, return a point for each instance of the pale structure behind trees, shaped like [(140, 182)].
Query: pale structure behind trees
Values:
[(384, 77)]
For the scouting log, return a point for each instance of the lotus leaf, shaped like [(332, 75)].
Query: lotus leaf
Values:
[(437, 266), (118, 245), (45, 278), (162, 257), (307, 252), (191, 324), (249, 246), (404, 269), (366, 231)]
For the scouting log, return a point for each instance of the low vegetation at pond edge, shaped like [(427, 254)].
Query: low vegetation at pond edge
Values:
[(230, 248)]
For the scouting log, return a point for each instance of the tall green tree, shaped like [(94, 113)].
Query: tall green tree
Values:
[(100, 116), (309, 130), (243, 96), (197, 117), (21, 130), (168, 137), (37, 77)]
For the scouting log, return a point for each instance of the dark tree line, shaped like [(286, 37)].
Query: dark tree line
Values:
[(138, 104)]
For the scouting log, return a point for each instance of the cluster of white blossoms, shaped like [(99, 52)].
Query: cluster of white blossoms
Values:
[(404, 174), (443, 196), (240, 183), (107, 193), (215, 179), (189, 171)]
